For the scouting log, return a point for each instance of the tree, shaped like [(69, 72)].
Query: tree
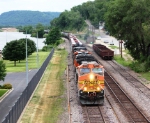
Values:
[(2, 70), (12, 51), (40, 30), (27, 29), (53, 36), (31, 46), (16, 50), (69, 20), (128, 20)]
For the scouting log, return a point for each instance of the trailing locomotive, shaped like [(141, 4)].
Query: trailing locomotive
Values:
[(89, 74)]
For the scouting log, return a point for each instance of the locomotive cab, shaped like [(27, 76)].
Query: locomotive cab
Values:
[(90, 83)]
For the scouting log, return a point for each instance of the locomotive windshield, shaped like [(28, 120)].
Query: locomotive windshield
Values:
[(84, 70), (97, 71)]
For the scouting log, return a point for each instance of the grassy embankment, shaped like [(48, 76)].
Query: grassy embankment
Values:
[(127, 61), (47, 102)]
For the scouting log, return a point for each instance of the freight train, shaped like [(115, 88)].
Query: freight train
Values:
[(89, 74)]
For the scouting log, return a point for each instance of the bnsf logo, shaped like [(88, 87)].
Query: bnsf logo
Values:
[(90, 82)]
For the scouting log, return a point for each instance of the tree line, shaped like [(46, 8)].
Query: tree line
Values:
[(126, 20), (26, 17)]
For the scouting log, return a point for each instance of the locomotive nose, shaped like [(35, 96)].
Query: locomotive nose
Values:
[(91, 77)]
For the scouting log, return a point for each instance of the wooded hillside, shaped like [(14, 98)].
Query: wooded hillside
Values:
[(26, 17)]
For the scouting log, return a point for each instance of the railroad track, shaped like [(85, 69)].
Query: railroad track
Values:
[(132, 113), (134, 81), (93, 114)]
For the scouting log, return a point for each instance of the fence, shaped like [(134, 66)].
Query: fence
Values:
[(21, 102)]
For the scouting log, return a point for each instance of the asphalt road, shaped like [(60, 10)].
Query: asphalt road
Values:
[(18, 81), (108, 38)]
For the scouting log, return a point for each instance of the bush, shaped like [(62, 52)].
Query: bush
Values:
[(7, 86), (44, 48), (138, 67), (47, 48), (57, 42)]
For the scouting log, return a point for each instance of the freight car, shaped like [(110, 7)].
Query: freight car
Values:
[(103, 51)]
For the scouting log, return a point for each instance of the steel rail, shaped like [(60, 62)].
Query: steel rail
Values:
[(127, 112)]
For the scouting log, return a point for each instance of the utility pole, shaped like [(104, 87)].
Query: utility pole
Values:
[(6, 35), (121, 47), (26, 61)]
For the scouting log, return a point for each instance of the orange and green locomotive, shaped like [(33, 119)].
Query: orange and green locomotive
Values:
[(90, 83)]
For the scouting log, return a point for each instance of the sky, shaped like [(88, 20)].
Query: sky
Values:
[(39, 5)]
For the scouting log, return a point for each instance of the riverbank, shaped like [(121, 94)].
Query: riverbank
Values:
[(9, 30)]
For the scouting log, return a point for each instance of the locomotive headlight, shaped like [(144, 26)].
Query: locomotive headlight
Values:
[(85, 89), (98, 88), (91, 77)]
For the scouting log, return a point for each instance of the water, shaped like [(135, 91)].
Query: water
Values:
[(9, 36)]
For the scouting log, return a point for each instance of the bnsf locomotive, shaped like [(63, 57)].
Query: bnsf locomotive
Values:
[(89, 74)]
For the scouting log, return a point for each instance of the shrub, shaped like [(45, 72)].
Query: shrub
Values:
[(7, 86), (44, 48), (47, 48), (138, 67)]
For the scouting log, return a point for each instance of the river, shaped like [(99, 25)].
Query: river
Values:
[(9, 36)]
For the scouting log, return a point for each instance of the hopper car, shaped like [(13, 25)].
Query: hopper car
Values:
[(103, 51)]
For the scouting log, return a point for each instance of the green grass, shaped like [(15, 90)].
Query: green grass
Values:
[(57, 99), (113, 47), (2, 92), (57, 106), (129, 63), (122, 61), (146, 75), (32, 62)]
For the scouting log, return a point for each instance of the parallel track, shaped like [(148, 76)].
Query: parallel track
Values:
[(124, 73), (133, 114)]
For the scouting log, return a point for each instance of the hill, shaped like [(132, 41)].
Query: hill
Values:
[(26, 17)]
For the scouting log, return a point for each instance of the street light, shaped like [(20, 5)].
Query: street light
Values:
[(6, 35), (37, 51), (26, 61)]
